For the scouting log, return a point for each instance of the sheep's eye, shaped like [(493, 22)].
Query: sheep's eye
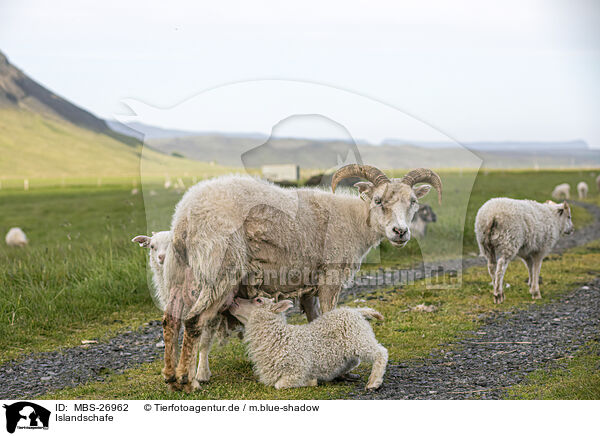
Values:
[(259, 300), (152, 247), (377, 201), (413, 201)]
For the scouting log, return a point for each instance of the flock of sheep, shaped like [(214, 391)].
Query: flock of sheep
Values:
[(236, 241), (238, 244)]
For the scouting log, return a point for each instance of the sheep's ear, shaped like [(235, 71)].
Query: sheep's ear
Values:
[(282, 306), (564, 207), (143, 240), (422, 191), (365, 188), (153, 233)]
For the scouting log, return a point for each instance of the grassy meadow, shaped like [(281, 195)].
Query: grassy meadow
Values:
[(81, 277)]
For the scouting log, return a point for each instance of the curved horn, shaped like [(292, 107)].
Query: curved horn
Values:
[(424, 175), (368, 172)]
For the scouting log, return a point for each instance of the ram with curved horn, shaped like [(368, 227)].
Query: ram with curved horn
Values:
[(242, 236)]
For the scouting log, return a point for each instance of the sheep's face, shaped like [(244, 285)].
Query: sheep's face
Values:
[(244, 309), (426, 213), (392, 207), (158, 244), (564, 213)]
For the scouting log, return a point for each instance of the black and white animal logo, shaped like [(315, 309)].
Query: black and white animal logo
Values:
[(26, 415)]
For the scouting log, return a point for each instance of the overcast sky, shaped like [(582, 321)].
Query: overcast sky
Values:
[(474, 70)]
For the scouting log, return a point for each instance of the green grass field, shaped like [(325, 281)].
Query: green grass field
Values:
[(82, 278)]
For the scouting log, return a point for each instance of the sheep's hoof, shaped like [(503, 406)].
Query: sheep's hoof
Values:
[(203, 376), (348, 377), (183, 380), (197, 384), (498, 298), (188, 388), (169, 377), (373, 387), (536, 297), (173, 387)]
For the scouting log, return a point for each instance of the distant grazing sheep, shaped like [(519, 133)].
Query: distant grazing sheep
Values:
[(289, 356), (16, 237), (506, 228), (582, 190), (325, 180), (159, 244), (230, 231), (135, 191), (561, 192), (598, 182), (422, 218)]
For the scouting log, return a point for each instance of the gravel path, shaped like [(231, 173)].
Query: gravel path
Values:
[(38, 373), (500, 354)]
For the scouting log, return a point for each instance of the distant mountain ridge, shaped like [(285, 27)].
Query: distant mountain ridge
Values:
[(226, 149)]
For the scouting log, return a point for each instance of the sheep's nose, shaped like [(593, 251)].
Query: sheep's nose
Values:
[(400, 231), (161, 258)]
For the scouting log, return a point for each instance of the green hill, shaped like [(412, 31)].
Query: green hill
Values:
[(42, 135), (35, 146)]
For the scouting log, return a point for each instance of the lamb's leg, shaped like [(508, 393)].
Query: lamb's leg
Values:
[(310, 305), (380, 359), (499, 279), (345, 373), (535, 282)]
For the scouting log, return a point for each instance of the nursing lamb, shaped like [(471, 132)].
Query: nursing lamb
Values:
[(506, 228), (289, 356)]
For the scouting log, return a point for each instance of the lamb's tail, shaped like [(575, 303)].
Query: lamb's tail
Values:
[(369, 313)]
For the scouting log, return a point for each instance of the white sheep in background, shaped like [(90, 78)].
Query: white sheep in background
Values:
[(422, 218), (242, 235), (561, 191), (289, 356), (135, 191), (159, 244), (598, 182), (506, 228), (582, 190), (15, 237)]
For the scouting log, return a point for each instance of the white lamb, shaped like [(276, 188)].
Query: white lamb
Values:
[(562, 191), (288, 356), (16, 237), (506, 228), (159, 244), (582, 190)]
